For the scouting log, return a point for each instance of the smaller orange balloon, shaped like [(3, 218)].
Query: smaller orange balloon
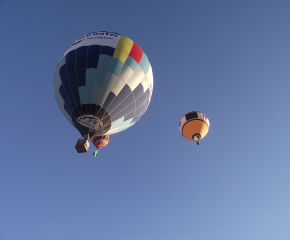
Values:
[(100, 141), (194, 126)]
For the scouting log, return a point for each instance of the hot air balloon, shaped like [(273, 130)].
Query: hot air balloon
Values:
[(103, 84), (194, 126), (99, 142)]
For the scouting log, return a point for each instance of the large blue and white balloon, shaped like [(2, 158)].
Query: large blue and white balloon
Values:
[(103, 83)]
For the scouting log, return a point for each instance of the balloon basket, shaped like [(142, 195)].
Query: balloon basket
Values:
[(82, 145)]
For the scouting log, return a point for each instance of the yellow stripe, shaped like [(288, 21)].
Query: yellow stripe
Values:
[(123, 49)]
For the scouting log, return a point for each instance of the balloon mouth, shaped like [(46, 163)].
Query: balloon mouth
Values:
[(90, 121), (196, 137)]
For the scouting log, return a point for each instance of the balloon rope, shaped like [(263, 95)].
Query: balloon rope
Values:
[(71, 90), (129, 113), (91, 124), (113, 137), (104, 88), (98, 132), (127, 106)]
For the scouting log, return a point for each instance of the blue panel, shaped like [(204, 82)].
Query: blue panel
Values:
[(62, 72), (129, 101), (81, 57), (109, 100), (135, 119), (144, 63), (101, 77), (61, 107), (138, 91), (82, 129), (103, 66), (142, 99), (70, 62), (125, 92), (91, 74), (191, 115), (66, 90), (74, 88), (107, 50), (116, 66), (93, 56), (89, 94), (129, 116), (82, 93), (81, 76), (140, 111), (68, 109), (70, 97), (64, 96), (131, 63), (141, 108), (129, 110), (104, 61)]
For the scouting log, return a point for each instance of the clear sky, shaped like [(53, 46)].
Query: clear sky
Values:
[(227, 59)]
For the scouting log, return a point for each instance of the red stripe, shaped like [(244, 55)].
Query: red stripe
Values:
[(136, 53)]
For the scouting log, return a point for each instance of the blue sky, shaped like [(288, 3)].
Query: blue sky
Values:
[(228, 59)]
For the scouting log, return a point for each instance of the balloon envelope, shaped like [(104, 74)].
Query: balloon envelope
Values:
[(103, 83), (100, 141), (192, 124)]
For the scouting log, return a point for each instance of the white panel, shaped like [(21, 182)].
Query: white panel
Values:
[(199, 115), (124, 124), (149, 76), (202, 116), (98, 38), (116, 89), (136, 78), (117, 122), (145, 84), (120, 123), (181, 122), (94, 40), (112, 131), (207, 121), (115, 128), (111, 41), (110, 81), (126, 72)]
